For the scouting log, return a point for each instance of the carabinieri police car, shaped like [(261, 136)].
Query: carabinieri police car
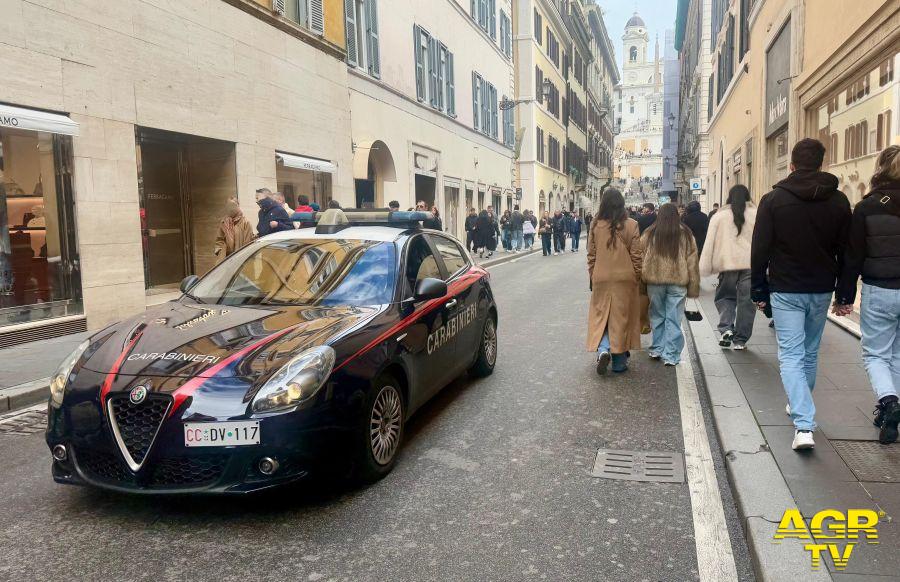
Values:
[(303, 347)]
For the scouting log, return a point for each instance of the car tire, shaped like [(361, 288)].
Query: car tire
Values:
[(486, 358), (381, 431)]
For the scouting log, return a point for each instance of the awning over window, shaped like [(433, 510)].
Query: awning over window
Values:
[(302, 163), (31, 119)]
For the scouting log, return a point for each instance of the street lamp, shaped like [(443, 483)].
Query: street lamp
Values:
[(545, 94)]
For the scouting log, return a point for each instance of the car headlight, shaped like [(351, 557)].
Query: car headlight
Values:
[(59, 379), (296, 381)]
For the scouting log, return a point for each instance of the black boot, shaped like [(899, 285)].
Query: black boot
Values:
[(887, 416)]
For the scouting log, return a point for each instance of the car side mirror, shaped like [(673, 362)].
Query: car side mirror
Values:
[(430, 288), (188, 282)]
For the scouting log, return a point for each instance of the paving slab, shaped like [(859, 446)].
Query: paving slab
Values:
[(805, 468)]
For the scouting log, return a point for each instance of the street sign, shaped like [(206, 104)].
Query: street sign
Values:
[(696, 184)]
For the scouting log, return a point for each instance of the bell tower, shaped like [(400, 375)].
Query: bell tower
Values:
[(635, 42)]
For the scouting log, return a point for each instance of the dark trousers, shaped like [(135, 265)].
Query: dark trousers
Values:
[(470, 241), (545, 242), (559, 242)]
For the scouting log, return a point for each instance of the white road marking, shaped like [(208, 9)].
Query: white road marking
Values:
[(715, 560)]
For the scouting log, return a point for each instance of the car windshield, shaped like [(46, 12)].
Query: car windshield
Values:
[(302, 272)]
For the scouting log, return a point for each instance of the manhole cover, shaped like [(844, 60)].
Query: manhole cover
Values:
[(870, 461), (24, 422), (639, 466)]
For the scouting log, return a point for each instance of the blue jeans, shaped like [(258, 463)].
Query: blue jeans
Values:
[(799, 324), (666, 310), (575, 240), (516, 240), (619, 361), (880, 324)]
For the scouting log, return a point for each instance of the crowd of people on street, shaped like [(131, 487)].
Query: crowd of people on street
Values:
[(801, 251), (516, 231)]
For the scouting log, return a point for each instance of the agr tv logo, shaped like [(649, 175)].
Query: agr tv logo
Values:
[(826, 528)]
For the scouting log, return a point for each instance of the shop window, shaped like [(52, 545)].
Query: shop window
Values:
[(39, 273)]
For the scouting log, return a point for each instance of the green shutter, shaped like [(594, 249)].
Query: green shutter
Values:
[(350, 32), (374, 50)]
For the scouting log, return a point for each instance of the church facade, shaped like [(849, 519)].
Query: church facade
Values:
[(640, 113)]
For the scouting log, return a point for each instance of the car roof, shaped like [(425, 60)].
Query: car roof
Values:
[(372, 233)]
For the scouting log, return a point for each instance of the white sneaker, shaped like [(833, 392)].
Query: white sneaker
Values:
[(802, 440), (787, 408), (725, 340), (738, 347)]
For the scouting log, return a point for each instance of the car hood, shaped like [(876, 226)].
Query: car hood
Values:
[(182, 339)]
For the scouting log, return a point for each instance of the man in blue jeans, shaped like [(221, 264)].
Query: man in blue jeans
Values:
[(801, 232)]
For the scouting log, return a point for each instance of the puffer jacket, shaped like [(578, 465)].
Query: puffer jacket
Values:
[(874, 243), (725, 249), (685, 271)]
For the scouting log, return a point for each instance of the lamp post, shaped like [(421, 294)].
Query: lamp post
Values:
[(545, 94)]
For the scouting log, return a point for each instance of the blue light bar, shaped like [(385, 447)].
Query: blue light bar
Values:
[(367, 217)]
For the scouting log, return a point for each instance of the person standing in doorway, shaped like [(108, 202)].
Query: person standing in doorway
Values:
[(545, 230), (797, 254), (234, 232), (272, 217), (671, 272), (471, 222), (874, 253), (614, 257), (727, 253), (516, 220), (574, 225)]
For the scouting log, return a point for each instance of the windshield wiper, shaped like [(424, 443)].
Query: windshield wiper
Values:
[(197, 299)]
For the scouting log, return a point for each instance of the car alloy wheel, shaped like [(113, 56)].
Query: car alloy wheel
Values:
[(384, 425), (490, 342)]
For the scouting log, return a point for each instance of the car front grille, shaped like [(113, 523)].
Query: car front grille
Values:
[(182, 471), (104, 467), (138, 424)]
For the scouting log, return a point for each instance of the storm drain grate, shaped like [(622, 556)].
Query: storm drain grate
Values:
[(24, 423), (870, 461), (639, 466)]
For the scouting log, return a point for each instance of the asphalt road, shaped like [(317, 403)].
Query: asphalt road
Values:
[(494, 483)]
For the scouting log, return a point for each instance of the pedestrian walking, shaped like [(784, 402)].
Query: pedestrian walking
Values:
[(873, 252), (727, 254), (796, 256), (546, 231), (671, 271), (574, 226), (614, 255), (484, 231), (471, 221), (696, 220), (495, 232), (646, 216), (234, 232), (528, 230), (715, 209), (272, 217), (516, 232), (559, 233), (434, 220), (505, 230)]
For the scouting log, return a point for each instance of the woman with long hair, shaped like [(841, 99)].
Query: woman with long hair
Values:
[(614, 256), (671, 272), (546, 231), (874, 253), (727, 253), (234, 232)]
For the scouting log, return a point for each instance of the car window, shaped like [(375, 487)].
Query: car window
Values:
[(420, 262), (453, 256), (303, 272)]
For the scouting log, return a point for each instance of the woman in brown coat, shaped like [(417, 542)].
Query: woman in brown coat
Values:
[(234, 232), (614, 266)]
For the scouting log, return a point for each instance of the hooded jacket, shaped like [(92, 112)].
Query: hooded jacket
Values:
[(800, 236), (873, 249), (270, 210), (697, 221)]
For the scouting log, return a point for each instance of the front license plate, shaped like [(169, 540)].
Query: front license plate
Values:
[(221, 434)]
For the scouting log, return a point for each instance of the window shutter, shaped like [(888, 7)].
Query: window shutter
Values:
[(441, 58), (495, 121), (485, 108), (492, 18), (433, 61), (539, 84), (420, 63), (451, 86), (473, 9), (350, 32), (374, 51), (316, 17), (476, 105)]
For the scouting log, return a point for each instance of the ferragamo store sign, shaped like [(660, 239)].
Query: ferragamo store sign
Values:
[(34, 120)]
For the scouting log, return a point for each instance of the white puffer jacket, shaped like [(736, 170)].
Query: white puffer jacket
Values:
[(725, 249)]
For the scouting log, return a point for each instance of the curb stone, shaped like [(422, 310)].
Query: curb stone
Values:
[(760, 490)]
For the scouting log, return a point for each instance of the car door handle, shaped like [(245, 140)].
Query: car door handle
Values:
[(450, 304)]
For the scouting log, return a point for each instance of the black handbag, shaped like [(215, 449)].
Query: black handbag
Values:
[(693, 315)]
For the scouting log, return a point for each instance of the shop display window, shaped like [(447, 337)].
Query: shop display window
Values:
[(39, 275)]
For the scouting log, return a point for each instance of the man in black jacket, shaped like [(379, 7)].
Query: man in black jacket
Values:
[(516, 236), (697, 221), (797, 253), (471, 221), (272, 216), (560, 229), (647, 216)]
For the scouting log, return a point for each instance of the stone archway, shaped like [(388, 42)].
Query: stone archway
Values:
[(373, 165)]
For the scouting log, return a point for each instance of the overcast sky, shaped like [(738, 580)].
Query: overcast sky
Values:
[(659, 15)]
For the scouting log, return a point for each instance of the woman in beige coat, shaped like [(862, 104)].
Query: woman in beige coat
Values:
[(234, 232), (671, 272), (614, 268)]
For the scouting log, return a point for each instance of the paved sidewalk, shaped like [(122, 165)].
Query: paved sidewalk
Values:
[(848, 469)]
